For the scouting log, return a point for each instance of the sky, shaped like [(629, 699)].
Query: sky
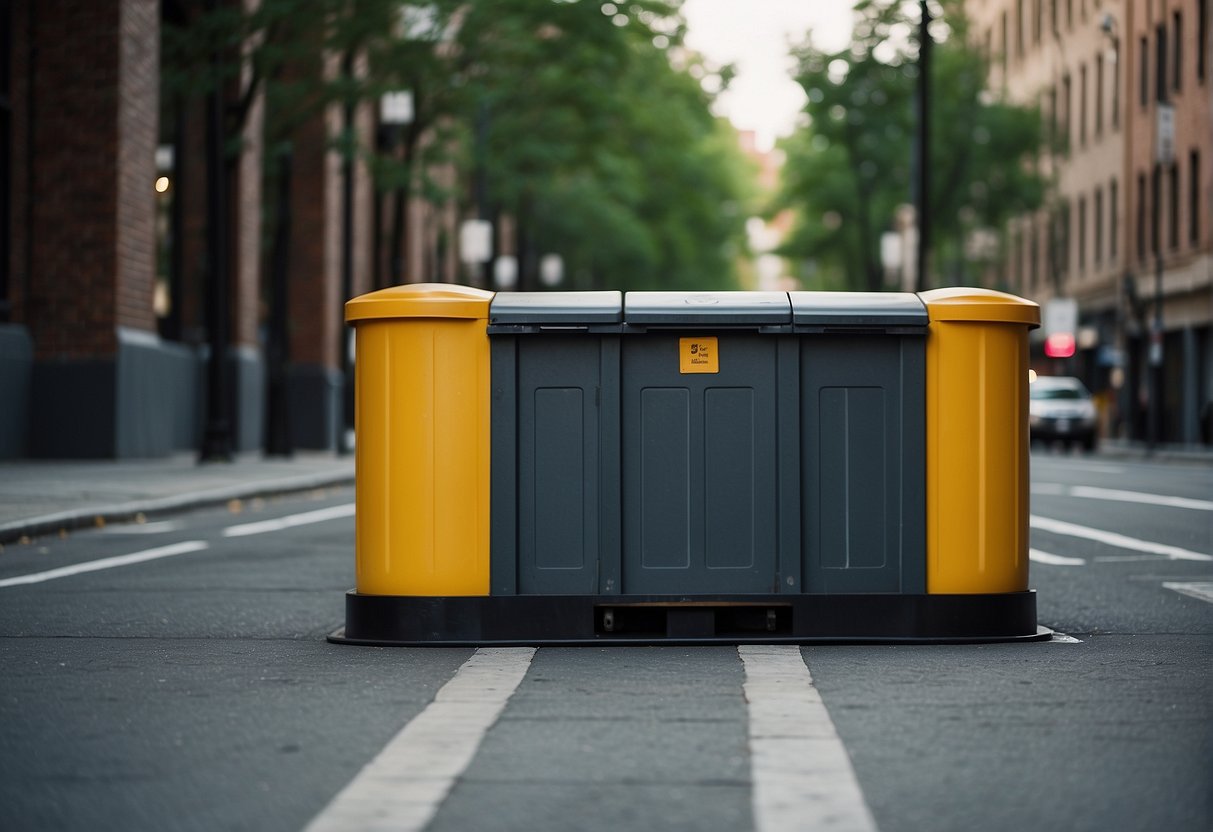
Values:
[(754, 35)]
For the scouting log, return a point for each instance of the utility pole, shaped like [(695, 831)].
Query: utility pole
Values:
[(345, 420), (217, 436), (922, 182)]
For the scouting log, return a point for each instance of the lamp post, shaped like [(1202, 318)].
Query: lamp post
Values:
[(217, 434)]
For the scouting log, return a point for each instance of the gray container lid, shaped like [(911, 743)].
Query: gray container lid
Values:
[(707, 308), (556, 308), (857, 309)]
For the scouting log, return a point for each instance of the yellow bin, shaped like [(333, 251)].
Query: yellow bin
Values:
[(422, 440), (977, 440)]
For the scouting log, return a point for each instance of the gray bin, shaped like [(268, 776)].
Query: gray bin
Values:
[(785, 457), (555, 442), (700, 449), (861, 441)]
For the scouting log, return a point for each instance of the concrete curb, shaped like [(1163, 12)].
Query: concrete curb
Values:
[(125, 512)]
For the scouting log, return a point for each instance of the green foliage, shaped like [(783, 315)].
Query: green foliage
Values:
[(586, 127), (849, 169)]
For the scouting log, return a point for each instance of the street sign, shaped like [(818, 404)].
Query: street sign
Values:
[(1060, 324), (476, 241)]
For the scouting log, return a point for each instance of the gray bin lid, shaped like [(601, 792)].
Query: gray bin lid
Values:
[(556, 308), (857, 309), (707, 308)]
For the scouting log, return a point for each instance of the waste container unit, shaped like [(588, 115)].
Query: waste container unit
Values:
[(700, 395), (698, 467), (861, 363)]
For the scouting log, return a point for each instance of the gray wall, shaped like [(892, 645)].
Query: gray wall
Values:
[(16, 370), (315, 401)]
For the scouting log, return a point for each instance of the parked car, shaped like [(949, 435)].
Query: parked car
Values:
[(1060, 409)]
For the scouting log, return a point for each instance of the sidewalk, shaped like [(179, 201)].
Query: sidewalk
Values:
[(41, 497)]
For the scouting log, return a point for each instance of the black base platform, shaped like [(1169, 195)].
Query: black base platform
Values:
[(504, 620)]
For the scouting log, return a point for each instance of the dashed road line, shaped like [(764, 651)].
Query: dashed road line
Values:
[(290, 521), (1090, 492), (160, 527), (1054, 560), (802, 775), (1196, 589), (404, 785), (1113, 539), (182, 548)]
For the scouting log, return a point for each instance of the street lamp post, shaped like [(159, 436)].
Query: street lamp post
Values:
[(923, 167), (217, 435)]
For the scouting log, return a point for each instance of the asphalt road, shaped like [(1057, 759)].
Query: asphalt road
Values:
[(196, 691)]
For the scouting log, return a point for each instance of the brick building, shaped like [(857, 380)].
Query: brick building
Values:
[(104, 271), (1129, 222)]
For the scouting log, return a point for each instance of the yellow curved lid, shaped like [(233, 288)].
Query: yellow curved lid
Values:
[(967, 303), (420, 300)]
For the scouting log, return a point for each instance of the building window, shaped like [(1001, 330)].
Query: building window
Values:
[(1016, 259), (1099, 95), (1194, 197), (1116, 85), (1019, 28), (1177, 28), (1065, 109), (1143, 51), (1053, 115), (1082, 235), (1063, 241), (1034, 254), (1173, 200), (1005, 47), (1160, 63), (1082, 105), (1202, 38), (1113, 220), (1156, 213), (1038, 16), (1053, 4), (1141, 217), (1069, 14), (1098, 208)]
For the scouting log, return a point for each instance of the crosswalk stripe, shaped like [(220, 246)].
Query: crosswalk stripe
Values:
[(802, 775), (402, 788)]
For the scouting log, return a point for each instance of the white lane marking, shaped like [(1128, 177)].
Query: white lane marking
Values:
[(1054, 560), (1127, 558), (802, 775), (1061, 638), (1197, 589), (108, 563), (1117, 495), (142, 528), (404, 785), (1112, 539), (1071, 465), (290, 521), (1093, 493)]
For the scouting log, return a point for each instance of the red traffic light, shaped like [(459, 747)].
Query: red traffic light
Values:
[(1059, 345)]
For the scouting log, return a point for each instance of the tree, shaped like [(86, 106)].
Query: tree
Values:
[(850, 167), (600, 147)]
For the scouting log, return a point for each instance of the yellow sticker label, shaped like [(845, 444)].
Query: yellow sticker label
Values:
[(698, 355)]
